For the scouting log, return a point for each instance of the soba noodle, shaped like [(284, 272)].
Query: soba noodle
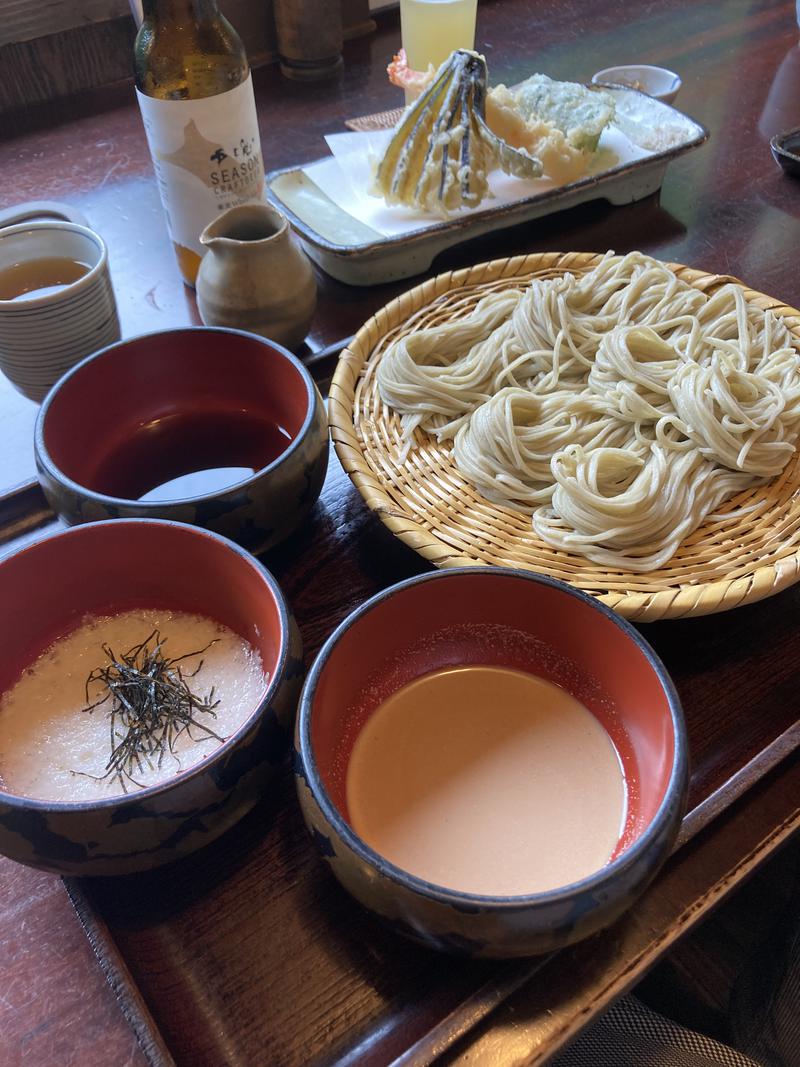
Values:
[(619, 408)]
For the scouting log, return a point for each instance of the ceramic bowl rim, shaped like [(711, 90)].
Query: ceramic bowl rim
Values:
[(605, 77), (155, 508), (15, 800), (38, 303), (674, 793), (777, 144)]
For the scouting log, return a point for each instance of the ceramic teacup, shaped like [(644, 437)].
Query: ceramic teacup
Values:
[(56, 302)]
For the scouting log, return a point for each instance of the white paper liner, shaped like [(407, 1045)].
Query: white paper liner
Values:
[(346, 175)]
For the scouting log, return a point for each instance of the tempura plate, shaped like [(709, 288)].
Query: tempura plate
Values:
[(351, 251)]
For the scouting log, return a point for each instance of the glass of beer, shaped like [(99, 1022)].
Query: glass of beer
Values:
[(432, 29)]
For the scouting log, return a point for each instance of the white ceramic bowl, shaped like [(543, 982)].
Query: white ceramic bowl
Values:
[(657, 82)]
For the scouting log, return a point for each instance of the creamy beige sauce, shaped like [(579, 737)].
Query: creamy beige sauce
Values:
[(487, 780), (51, 749)]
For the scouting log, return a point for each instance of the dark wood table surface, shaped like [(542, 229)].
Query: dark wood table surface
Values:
[(725, 208)]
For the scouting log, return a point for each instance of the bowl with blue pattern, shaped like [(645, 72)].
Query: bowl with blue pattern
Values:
[(516, 621), (48, 589), (215, 427)]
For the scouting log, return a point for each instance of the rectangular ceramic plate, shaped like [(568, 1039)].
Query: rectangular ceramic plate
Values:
[(349, 250)]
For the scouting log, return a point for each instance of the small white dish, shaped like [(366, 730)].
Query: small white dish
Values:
[(657, 82)]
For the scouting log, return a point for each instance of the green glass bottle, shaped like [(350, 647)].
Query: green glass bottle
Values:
[(195, 91)]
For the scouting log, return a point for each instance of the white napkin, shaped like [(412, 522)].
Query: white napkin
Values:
[(346, 176)]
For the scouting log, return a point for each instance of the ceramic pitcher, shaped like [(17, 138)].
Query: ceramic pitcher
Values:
[(255, 277)]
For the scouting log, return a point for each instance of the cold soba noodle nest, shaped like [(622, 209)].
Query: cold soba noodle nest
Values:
[(620, 407)]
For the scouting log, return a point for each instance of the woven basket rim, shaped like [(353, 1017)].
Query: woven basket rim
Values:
[(667, 601)]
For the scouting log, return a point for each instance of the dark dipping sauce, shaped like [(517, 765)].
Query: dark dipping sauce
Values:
[(189, 455)]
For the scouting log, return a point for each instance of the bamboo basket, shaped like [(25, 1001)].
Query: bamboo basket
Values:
[(430, 506)]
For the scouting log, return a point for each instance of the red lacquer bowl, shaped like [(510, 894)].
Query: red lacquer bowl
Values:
[(214, 427), (48, 588), (502, 618)]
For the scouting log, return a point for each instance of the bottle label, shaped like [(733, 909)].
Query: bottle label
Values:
[(207, 157)]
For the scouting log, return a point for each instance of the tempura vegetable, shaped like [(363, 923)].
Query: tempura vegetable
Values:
[(558, 123), (581, 114), (442, 150)]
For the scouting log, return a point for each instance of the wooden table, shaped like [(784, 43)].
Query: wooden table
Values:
[(725, 208)]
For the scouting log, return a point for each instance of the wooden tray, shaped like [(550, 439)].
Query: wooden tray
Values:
[(249, 952)]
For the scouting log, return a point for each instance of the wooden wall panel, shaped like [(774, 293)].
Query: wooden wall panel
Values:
[(99, 53), (21, 20)]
